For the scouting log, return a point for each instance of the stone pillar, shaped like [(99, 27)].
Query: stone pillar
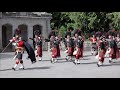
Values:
[(48, 30), (48, 27), (44, 33), (30, 34)]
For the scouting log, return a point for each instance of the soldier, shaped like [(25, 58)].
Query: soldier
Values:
[(113, 49), (68, 32), (54, 50), (93, 44), (16, 37), (19, 50), (38, 45), (58, 46), (101, 52), (78, 52), (70, 47), (76, 38)]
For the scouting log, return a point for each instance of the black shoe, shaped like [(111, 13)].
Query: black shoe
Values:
[(52, 61), (22, 68), (13, 68), (98, 65), (92, 53), (40, 60), (75, 63), (110, 61), (66, 59), (33, 62), (78, 63)]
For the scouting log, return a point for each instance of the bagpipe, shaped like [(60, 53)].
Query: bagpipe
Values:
[(28, 48)]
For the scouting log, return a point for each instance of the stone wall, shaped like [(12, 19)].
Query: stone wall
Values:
[(30, 22)]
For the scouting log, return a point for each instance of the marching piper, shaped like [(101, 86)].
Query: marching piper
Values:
[(93, 44), (70, 47), (113, 49), (38, 45), (78, 52), (101, 52)]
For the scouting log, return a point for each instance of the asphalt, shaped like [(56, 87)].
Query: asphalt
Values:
[(61, 69)]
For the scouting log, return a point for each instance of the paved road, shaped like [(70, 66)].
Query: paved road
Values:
[(61, 69)]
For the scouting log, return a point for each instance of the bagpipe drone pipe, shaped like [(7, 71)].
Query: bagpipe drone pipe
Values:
[(30, 51)]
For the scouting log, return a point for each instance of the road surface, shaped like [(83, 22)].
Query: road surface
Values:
[(62, 69)]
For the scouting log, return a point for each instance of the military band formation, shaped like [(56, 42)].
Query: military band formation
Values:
[(101, 47)]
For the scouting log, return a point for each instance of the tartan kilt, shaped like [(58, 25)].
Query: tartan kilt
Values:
[(102, 53), (54, 52), (70, 51), (79, 53), (39, 51)]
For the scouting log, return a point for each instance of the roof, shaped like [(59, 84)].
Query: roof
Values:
[(27, 14)]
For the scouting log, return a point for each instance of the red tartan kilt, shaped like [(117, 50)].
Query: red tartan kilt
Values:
[(39, 51), (79, 53), (58, 52), (54, 52), (70, 51), (102, 53)]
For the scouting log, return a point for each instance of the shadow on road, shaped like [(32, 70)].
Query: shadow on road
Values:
[(6, 70), (90, 63), (87, 55), (64, 61), (34, 68), (37, 68), (57, 59), (2, 56), (85, 59)]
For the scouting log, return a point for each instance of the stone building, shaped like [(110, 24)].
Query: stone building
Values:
[(28, 22)]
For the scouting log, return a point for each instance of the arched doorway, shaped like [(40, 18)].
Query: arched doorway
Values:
[(6, 35), (24, 32), (37, 28)]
